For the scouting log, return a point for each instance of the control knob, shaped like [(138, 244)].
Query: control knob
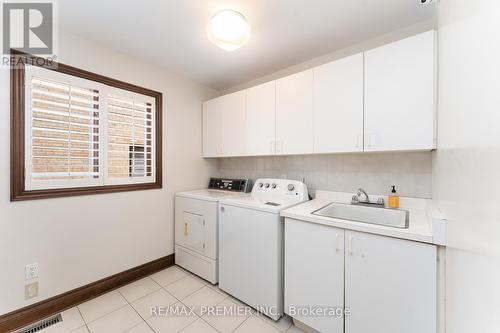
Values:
[(291, 187), (267, 185), (273, 185), (260, 185)]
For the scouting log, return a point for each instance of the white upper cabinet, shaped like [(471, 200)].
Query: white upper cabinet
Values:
[(261, 119), (233, 124), (223, 126), (294, 128), (212, 135), (379, 100), (399, 95), (338, 106)]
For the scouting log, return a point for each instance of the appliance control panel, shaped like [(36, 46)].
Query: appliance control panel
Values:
[(237, 185), (280, 187)]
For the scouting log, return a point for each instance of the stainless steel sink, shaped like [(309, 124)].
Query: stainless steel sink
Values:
[(396, 218)]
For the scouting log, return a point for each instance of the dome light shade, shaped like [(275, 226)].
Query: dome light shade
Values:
[(228, 29)]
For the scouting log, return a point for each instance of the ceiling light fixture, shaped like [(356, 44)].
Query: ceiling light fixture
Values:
[(228, 29)]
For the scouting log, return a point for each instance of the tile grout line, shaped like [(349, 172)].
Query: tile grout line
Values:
[(135, 300), (143, 320), (113, 311), (149, 276), (244, 321), (109, 292), (215, 328), (83, 319), (178, 300), (189, 274), (227, 297), (186, 274), (265, 319), (204, 285)]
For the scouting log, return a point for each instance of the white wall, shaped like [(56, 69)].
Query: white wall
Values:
[(410, 172), (467, 162), (79, 240)]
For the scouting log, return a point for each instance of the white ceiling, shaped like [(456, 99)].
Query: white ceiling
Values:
[(171, 33)]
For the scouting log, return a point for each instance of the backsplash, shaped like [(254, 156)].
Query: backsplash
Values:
[(375, 172)]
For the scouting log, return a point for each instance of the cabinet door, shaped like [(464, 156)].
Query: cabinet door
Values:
[(294, 133), (314, 272), (390, 285), (212, 128), (261, 119), (233, 124), (399, 95), (338, 106)]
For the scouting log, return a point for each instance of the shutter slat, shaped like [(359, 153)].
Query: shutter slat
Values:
[(65, 131), (65, 107), (63, 117)]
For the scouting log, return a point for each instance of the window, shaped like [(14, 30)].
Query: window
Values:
[(83, 133), (129, 137), (62, 130)]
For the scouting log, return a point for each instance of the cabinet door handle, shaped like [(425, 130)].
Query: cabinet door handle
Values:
[(371, 140), (337, 238), (349, 245), (359, 141), (185, 229)]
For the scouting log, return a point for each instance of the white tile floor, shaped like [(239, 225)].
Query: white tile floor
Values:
[(128, 309)]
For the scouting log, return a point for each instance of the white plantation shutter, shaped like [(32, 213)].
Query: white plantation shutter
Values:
[(81, 133), (130, 137), (63, 130)]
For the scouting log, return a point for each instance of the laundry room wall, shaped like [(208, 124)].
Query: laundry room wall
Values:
[(78, 240), (375, 172), (467, 162)]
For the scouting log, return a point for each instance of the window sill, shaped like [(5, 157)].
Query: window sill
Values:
[(77, 191)]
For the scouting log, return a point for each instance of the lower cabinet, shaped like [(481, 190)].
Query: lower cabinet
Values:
[(314, 273), (383, 284)]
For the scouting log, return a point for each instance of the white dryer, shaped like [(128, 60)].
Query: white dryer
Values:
[(251, 243), (196, 225)]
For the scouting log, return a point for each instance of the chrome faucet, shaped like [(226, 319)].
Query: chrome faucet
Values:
[(360, 193), (356, 199)]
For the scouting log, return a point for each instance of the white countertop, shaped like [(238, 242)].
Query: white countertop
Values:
[(425, 224)]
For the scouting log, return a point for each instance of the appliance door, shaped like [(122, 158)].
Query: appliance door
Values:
[(194, 231), (196, 225), (251, 258)]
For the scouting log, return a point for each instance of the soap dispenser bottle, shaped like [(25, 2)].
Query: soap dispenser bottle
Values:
[(393, 198)]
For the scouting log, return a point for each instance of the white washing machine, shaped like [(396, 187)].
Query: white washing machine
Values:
[(196, 225), (251, 243)]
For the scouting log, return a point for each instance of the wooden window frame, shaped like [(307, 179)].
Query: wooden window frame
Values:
[(18, 192)]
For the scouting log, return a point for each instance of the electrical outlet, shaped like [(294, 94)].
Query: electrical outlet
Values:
[(32, 271), (31, 290)]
